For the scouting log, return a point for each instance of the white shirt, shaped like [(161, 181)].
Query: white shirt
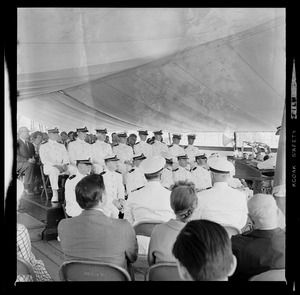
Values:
[(201, 177), (191, 151), (134, 179), (114, 189), (181, 173), (143, 147), (222, 204), (72, 207), (176, 150), (124, 152), (100, 150), (79, 150), (53, 153), (167, 177), (159, 147)]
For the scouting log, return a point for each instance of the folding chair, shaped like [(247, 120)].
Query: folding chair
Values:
[(231, 230), (78, 270), (24, 268), (145, 228), (270, 275), (164, 271)]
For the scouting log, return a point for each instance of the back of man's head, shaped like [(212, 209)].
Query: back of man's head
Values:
[(263, 211), (90, 191), (203, 252)]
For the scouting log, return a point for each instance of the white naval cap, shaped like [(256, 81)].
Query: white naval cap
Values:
[(152, 165), (220, 165)]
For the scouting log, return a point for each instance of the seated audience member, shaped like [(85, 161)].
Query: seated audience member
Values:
[(203, 252), (114, 139), (134, 178), (37, 138), (182, 172), (262, 248), (150, 202), (131, 140), (183, 202), (26, 162), (142, 146), (83, 169), (222, 203), (70, 137), (167, 173), (64, 138), (24, 249), (55, 159), (114, 187), (201, 176), (92, 235)]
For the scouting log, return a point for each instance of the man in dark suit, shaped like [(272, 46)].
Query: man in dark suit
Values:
[(263, 248), (92, 235), (26, 163)]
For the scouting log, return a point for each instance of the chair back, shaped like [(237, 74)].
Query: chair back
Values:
[(165, 271), (145, 228), (270, 275), (76, 270), (25, 268), (231, 230)]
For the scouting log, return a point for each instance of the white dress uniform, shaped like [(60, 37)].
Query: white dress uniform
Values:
[(201, 178), (150, 202), (125, 153), (143, 147), (182, 173), (191, 151), (222, 204), (72, 207), (79, 149), (134, 180), (167, 177), (100, 150), (114, 189), (175, 150), (54, 153), (158, 148)]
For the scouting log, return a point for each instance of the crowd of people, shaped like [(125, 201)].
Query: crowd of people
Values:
[(112, 186)]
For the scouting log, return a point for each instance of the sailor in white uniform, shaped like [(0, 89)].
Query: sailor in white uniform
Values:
[(142, 146), (135, 179), (175, 149), (158, 146), (150, 202), (191, 150), (79, 149), (124, 153), (100, 149), (201, 176), (83, 169), (114, 187), (182, 172), (167, 173), (222, 203), (55, 159)]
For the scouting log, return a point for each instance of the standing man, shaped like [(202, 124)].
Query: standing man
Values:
[(201, 176), (125, 153), (55, 159), (158, 146), (83, 169), (79, 149), (135, 179), (182, 172), (175, 149), (142, 146), (100, 149), (191, 150), (26, 163), (114, 187), (167, 173)]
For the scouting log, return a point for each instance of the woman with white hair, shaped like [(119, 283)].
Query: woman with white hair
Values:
[(262, 248)]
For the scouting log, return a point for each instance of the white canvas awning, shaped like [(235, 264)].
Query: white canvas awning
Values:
[(176, 69)]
